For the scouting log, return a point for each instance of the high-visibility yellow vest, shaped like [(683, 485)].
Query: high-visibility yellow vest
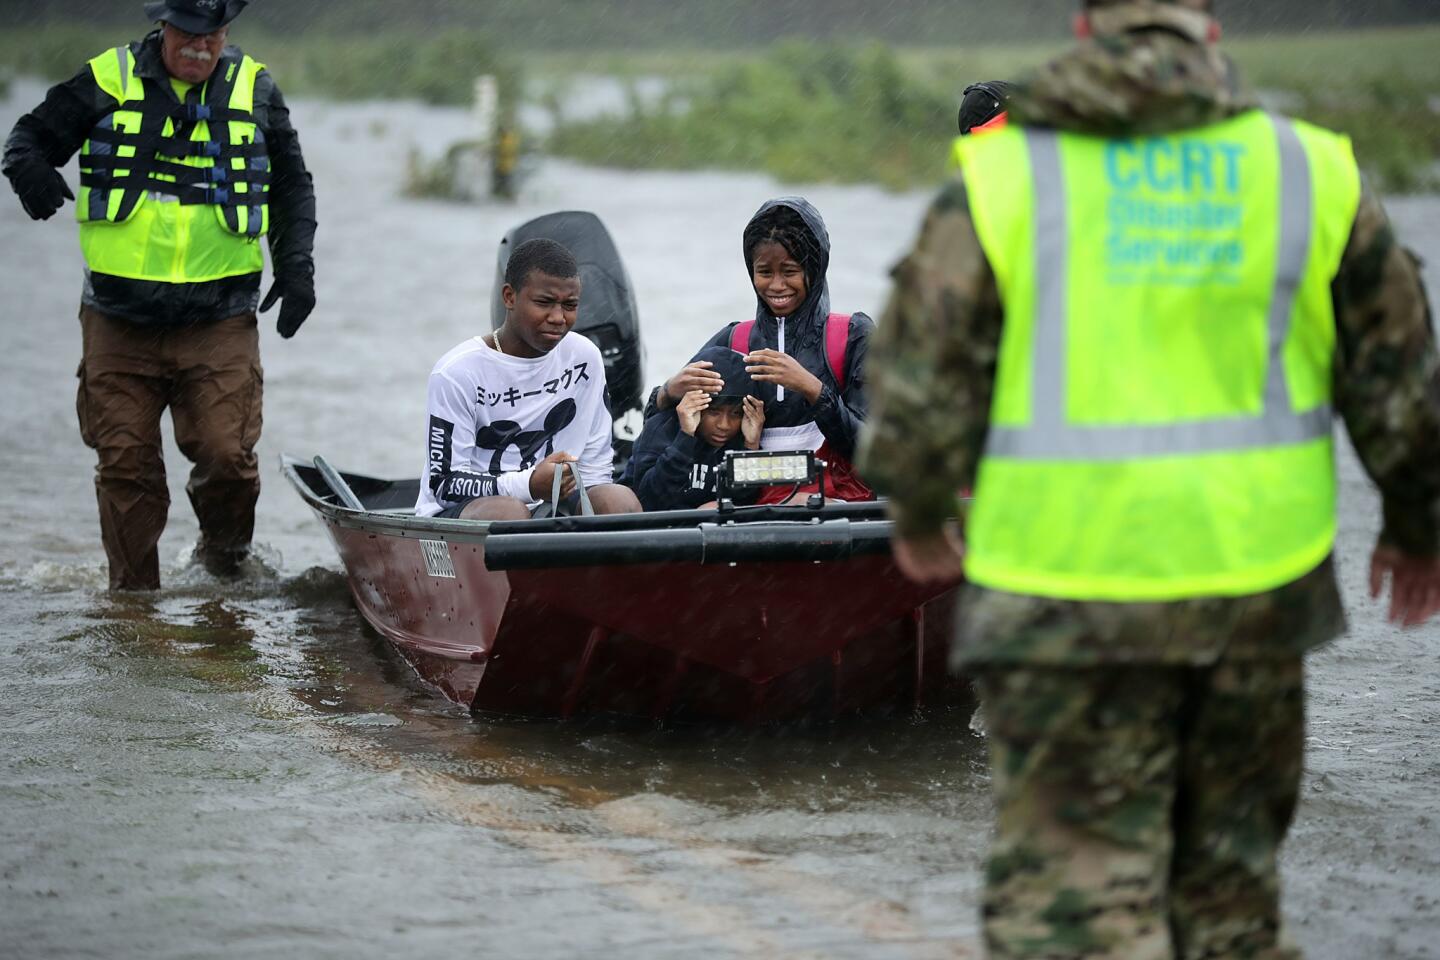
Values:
[(174, 192), (955, 159), (1161, 423)]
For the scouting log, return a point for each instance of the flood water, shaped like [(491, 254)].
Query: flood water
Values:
[(245, 770)]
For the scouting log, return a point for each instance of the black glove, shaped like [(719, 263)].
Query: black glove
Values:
[(41, 189), (299, 294)]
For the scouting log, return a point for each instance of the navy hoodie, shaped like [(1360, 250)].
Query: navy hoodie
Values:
[(839, 414), (671, 470)]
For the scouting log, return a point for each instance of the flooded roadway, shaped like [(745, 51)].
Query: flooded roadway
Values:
[(244, 770)]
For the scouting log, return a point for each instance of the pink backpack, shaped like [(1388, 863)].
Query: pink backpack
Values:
[(837, 335)]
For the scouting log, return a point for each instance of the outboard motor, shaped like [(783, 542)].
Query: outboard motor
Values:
[(607, 315)]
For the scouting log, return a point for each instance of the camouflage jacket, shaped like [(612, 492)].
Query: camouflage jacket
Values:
[(932, 369)]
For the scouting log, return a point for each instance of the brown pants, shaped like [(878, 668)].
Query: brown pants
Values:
[(209, 376)]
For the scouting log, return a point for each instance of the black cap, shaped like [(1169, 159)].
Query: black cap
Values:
[(195, 16), (983, 102)]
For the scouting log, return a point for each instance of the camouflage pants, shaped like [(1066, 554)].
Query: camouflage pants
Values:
[(1141, 809)]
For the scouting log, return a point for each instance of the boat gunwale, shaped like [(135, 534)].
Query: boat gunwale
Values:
[(410, 526), (372, 521)]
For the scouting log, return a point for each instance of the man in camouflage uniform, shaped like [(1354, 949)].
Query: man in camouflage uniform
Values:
[(1146, 756)]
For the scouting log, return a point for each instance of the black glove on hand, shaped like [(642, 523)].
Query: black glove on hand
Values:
[(41, 190), (299, 295)]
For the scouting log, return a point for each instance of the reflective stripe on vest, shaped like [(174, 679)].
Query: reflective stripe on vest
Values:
[(1160, 427), (1050, 437), (124, 55)]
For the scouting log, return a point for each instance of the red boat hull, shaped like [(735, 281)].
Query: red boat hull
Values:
[(748, 641)]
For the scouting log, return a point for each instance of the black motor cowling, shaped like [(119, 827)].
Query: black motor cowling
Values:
[(607, 316)]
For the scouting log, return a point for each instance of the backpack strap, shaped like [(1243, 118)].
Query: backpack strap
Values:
[(740, 336), (837, 338)]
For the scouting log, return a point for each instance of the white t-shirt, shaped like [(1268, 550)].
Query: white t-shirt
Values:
[(492, 417)]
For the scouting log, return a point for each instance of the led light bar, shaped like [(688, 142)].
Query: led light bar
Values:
[(765, 468)]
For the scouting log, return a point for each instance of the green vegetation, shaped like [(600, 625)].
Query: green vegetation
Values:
[(800, 112), (1396, 130), (577, 26), (812, 112), (1381, 87), (53, 53), (436, 68)]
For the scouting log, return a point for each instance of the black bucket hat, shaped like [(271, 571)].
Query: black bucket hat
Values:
[(195, 16)]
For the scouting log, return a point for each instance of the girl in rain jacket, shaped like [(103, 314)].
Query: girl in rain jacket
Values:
[(808, 364)]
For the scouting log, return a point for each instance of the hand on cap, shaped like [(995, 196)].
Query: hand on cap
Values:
[(691, 406), (694, 376)]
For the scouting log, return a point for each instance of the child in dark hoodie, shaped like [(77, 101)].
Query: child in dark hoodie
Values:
[(677, 457)]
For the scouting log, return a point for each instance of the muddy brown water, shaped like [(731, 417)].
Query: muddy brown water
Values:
[(244, 770)]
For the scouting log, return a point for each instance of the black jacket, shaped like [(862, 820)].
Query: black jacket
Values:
[(838, 413), (55, 130), (671, 470)]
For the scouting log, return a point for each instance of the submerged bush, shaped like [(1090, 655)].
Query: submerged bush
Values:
[(1378, 86), (808, 112), (462, 174), (801, 112), (1395, 129)]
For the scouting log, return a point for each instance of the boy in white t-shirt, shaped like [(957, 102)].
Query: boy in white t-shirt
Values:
[(508, 408)]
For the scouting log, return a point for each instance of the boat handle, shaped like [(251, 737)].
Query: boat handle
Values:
[(337, 483), (586, 510)]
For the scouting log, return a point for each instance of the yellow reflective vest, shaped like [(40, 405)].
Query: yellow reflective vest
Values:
[(1161, 423), (169, 191)]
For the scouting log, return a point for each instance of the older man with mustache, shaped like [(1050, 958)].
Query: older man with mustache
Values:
[(187, 159)]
